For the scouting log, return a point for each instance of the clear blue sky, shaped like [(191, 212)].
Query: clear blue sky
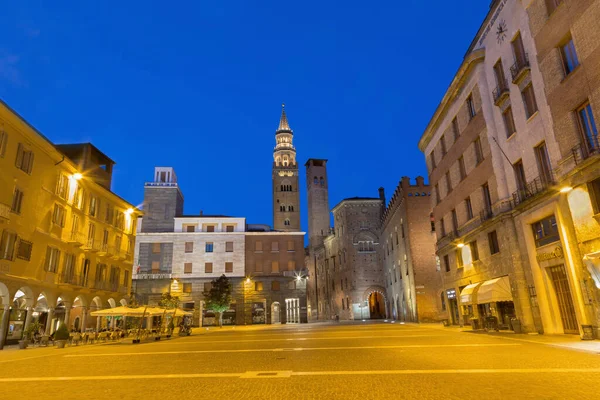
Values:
[(198, 86)]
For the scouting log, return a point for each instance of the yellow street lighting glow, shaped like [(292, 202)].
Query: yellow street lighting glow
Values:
[(129, 211), (460, 245), (247, 280), (77, 176), (566, 189)]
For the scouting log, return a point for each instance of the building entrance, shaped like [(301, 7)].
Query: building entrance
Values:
[(564, 299), (376, 305), (292, 311)]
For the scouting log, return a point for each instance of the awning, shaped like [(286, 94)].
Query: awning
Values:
[(592, 262), (467, 295), (128, 312), (494, 290)]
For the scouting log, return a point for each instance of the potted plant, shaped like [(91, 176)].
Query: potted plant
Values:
[(61, 336), (28, 334)]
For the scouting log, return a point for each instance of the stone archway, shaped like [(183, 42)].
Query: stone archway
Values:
[(375, 303)]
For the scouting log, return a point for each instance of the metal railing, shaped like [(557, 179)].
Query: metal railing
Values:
[(152, 275), (100, 285), (76, 237), (501, 91), (519, 66), (533, 188), (167, 184), (586, 149)]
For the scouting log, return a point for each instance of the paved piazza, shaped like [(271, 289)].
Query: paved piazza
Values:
[(312, 361)]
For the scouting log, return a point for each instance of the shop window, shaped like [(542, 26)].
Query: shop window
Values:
[(545, 231)]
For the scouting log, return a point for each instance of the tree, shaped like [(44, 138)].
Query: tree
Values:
[(168, 301), (218, 298)]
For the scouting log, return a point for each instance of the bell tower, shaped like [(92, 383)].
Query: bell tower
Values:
[(286, 199)]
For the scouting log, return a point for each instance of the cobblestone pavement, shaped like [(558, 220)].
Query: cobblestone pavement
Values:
[(314, 361)]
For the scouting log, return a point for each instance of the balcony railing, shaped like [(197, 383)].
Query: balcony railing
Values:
[(76, 238), (163, 184), (4, 211), (533, 188), (100, 285), (501, 92), (585, 150), (72, 279), (520, 66), (152, 275)]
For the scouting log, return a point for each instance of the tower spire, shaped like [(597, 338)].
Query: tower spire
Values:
[(283, 122)]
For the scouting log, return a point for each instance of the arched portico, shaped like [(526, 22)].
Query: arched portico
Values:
[(376, 303)]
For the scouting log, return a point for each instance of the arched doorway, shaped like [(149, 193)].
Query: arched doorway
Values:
[(275, 313), (19, 314), (376, 305)]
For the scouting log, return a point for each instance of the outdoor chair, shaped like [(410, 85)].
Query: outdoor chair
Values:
[(76, 338)]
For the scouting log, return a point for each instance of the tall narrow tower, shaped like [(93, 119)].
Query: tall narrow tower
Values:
[(286, 199), (318, 201)]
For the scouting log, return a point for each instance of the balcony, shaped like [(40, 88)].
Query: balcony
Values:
[(161, 184), (520, 68), (76, 238), (446, 239), (533, 188), (106, 250), (152, 275), (72, 279), (501, 93), (4, 212), (583, 150), (100, 285), (91, 245)]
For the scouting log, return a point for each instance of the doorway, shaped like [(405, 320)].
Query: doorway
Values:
[(564, 299), (275, 313), (376, 305)]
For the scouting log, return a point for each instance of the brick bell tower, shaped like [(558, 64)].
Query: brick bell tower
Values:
[(286, 199)]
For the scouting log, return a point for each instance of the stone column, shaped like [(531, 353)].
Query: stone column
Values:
[(98, 322), (84, 312), (67, 316), (4, 325), (49, 321), (28, 318)]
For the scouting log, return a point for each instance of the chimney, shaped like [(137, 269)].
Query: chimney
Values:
[(382, 195), (420, 181)]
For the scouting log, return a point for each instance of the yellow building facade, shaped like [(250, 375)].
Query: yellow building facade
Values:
[(66, 240)]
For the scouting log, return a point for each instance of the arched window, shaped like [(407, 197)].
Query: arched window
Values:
[(282, 188), (286, 222), (290, 208), (316, 180)]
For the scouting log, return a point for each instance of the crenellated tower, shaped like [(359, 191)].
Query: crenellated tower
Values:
[(286, 199)]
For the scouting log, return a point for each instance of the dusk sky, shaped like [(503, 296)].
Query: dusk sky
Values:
[(199, 86)]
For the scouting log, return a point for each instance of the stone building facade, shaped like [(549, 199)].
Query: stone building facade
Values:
[(412, 276), (66, 240), (344, 264)]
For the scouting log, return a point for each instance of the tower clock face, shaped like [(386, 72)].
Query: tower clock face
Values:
[(501, 31)]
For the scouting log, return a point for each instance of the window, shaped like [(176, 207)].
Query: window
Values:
[(229, 267), (286, 222), (543, 162), (93, 205), (187, 288), (3, 143), (471, 107), (187, 268), (469, 208), (493, 242), (551, 5), (291, 265), (500, 78), (366, 247), (209, 247), (594, 190), (520, 179), (58, 215), (432, 159), (155, 248), (437, 194), (108, 216), (17, 201), (275, 285), (258, 286), (274, 247), (443, 144), (291, 246), (24, 159), (189, 247), (78, 199), (459, 259), (258, 246), (443, 298), (7, 245), (487, 198), (587, 127), (448, 182), (461, 168), (207, 286), (529, 101), (447, 263), (519, 52), (275, 267), (155, 267), (454, 222), (432, 221), (229, 228), (208, 268), (24, 250), (474, 250), (509, 122), (190, 228), (568, 55), (229, 247), (455, 129), (62, 186), (210, 228), (545, 231), (478, 151), (52, 259), (442, 227)]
